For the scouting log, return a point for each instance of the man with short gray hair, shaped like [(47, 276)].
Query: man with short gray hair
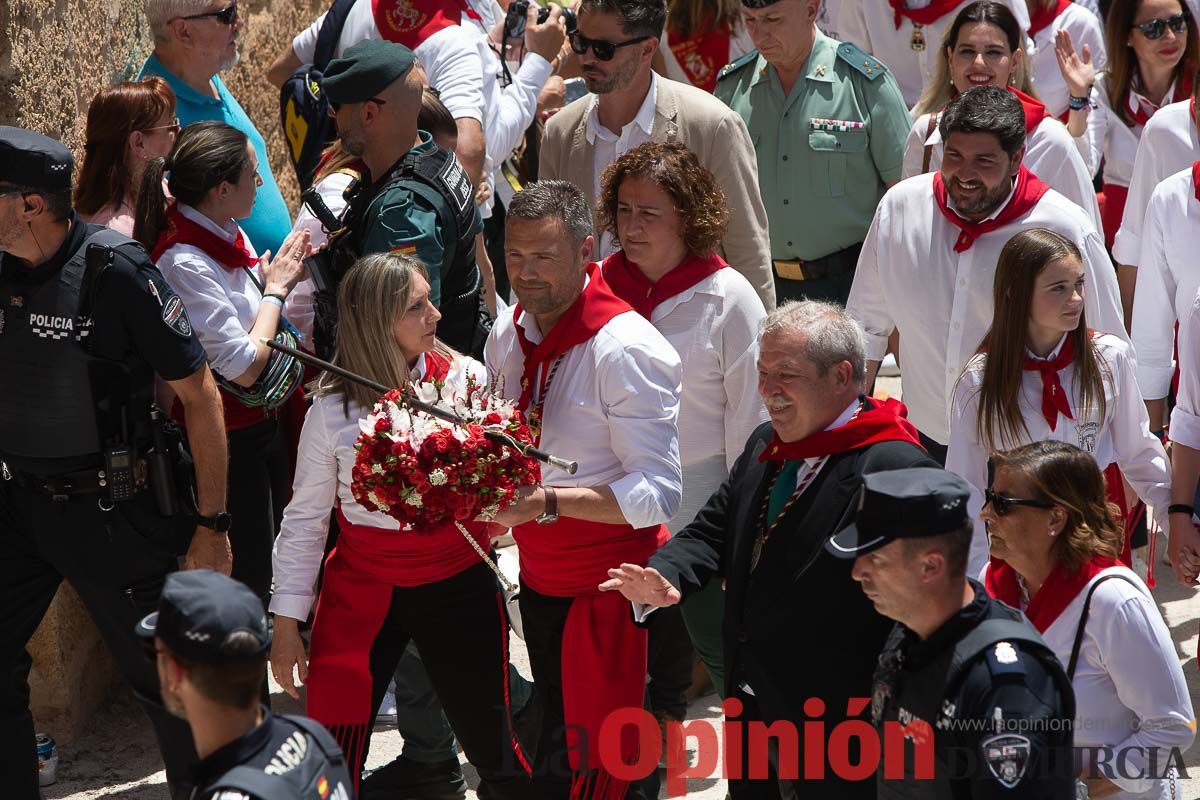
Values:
[(193, 41), (599, 385), (796, 624)]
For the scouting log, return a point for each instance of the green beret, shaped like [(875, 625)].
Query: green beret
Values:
[(365, 70)]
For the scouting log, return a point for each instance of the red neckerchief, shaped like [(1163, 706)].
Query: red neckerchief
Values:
[(1196, 179), (701, 55), (181, 230), (1054, 397), (1028, 192), (1056, 593), (923, 16), (590, 312), (878, 421), (1137, 106), (437, 367), (1035, 110), (1041, 19), (411, 22), (631, 284)]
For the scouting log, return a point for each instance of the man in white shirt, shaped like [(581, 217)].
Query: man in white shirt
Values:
[(928, 263), (600, 386), (630, 104)]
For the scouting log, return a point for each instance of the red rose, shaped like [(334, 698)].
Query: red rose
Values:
[(383, 424)]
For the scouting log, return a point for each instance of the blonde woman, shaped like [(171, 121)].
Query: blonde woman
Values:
[(982, 47), (383, 587)]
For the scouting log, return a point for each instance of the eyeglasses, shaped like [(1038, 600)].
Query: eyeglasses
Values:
[(1003, 505), (336, 107), (174, 128), (1154, 28), (226, 16), (603, 50)]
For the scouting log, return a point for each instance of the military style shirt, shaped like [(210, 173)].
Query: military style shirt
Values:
[(827, 151)]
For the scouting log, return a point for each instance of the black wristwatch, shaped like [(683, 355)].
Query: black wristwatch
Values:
[(219, 522), (1180, 508), (551, 513)]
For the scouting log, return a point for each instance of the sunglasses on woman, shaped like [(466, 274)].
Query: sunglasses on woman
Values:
[(602, 49), (229, 14), (1003, 505), (1154, 28), (173, 128)]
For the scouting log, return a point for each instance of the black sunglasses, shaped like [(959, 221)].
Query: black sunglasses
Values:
[(1155, 28), (226, 16), (1003, 505), (602, 49)]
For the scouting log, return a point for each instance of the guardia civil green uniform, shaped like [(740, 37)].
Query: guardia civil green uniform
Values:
[(826, 153)]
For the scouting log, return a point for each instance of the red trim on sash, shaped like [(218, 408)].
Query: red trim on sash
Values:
[(1028, 192), (701, 55), (1056, 593), (630, 284), (411, 22)]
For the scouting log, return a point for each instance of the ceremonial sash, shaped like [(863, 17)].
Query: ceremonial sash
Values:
[(411, 22), (630, 284), (701, 55), (1029, 190)]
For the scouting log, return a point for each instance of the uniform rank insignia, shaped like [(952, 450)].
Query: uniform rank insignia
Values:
[(1007, 756), (835, 125), (1006, 653), (175, 316)]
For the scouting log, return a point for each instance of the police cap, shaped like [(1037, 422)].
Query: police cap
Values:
[(365, 70), (34, 161), (903, 504), (198, 613)]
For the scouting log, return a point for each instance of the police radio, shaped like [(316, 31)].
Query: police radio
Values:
[(118, 473)]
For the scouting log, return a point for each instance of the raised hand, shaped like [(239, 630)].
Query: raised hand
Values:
[(1076, 68)]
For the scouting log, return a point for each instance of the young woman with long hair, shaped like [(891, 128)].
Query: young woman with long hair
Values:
[(982, 47), (128, 124), (1055, 547), (235, 300), (383, 587), (1042, 374), (701, 37), (1152, 55)]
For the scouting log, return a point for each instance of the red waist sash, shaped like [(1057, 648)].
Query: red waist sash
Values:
[(572, 557), (405, 558)]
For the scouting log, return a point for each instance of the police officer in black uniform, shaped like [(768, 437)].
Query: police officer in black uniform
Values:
[(962, 674), (94, 486), (211, 640), (415, 197)]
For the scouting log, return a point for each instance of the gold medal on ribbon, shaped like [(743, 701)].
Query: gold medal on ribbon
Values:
[(918, 38)]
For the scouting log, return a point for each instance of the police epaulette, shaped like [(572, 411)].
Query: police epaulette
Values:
[(733, 67), (867, 64), (1004, 661)]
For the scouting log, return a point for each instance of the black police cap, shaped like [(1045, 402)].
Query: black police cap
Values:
[(198, 613), (903, 504), (34, 161), (365, 70)]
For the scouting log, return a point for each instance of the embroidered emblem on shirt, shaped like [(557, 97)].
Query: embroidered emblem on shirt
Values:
[(175, 315), (1086, 433)]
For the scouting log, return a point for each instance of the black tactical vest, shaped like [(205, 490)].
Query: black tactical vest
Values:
[(309, 766), (59, 400)]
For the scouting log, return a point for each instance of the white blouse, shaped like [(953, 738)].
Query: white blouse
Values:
[(612, 405), (1122, 436), (1085, 28), (1130, 693), (324, 470), (1110, 139), (1050, 153), (714, 328)]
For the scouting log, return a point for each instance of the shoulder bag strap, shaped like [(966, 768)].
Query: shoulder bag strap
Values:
[(1083, 616)]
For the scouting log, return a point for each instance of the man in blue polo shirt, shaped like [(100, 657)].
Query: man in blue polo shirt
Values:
[(190, 48)]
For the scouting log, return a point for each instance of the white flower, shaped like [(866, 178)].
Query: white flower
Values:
[(426, 392), (414, 499), (377, 469), (437, 478), (377, 500), (488, 512), (473, 478)]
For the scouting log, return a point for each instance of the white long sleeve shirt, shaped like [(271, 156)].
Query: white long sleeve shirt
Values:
[(1122, 436), (1050, 153), (222, 303), (1169, 143), (870, 24), (1085, 29), (1108, 138), (1185, 417), (612, 405), (1168, 278), (910, 279), (714, 328), (324, 471), (1130, 693)]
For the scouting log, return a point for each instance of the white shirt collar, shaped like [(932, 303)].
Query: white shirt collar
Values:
[(1053, 353), (845, 417), (1136, 99), (228, 231), (644, 118), (417, 373), (995, 213)]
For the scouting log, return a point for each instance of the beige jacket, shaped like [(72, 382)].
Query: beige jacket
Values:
[(718, 137)]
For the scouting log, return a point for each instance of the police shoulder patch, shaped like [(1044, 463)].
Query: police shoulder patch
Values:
[(736, 66), (1007, 757), (864, 63), (175, 316)]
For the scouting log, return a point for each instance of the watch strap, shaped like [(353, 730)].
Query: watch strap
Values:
[(551, 502), (1180, 508)]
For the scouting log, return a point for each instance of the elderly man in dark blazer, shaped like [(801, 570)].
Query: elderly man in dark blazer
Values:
[(796, 624)]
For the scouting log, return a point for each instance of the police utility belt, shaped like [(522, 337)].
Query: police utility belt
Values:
[(839, 263)]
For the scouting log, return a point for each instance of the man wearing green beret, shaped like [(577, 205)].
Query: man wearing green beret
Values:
[(828, 124), (414, 198)]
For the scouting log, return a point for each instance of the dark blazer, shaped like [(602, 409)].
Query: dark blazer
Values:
[(790, 632)]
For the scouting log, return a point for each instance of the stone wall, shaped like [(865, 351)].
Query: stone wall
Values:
[(54, 56)]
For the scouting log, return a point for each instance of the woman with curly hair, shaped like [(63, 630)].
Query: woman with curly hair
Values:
[(1055, 544), (668, 214)]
